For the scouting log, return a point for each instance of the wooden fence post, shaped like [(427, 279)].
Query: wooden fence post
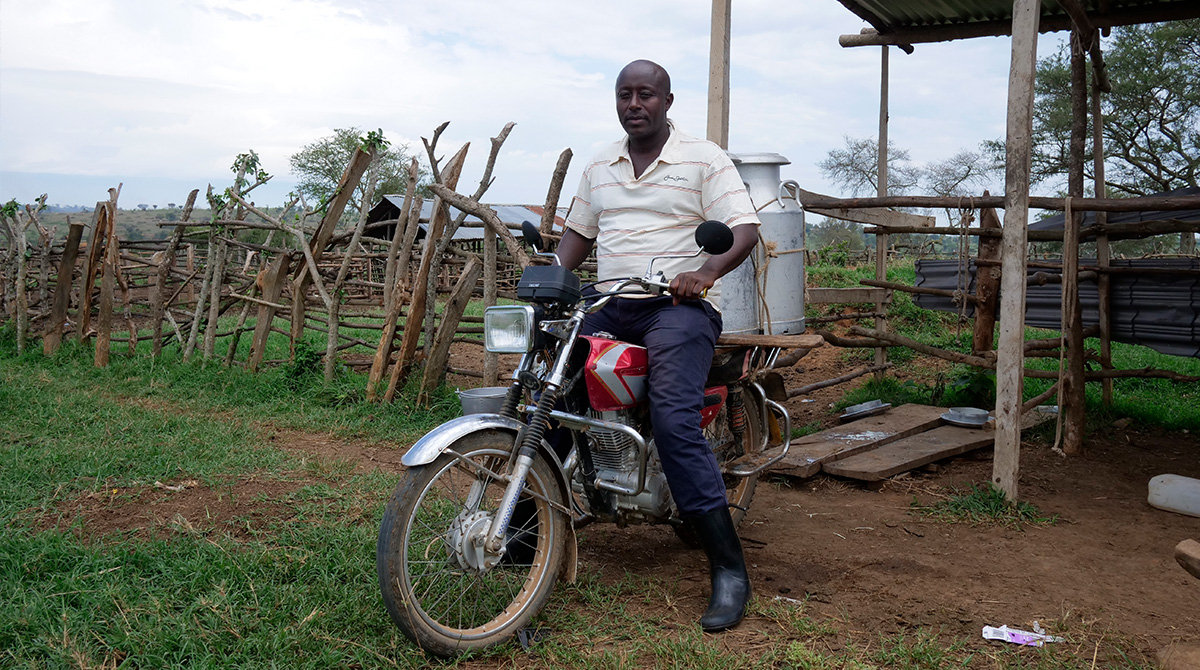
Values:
[(383, 353), (491, 361), (107, 284), (62, 291), (439, 351), (91, 267), (163, 274), (987, 285), (416, 307), (320, 239)]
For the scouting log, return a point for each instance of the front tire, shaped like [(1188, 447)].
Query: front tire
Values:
[(439, 588)]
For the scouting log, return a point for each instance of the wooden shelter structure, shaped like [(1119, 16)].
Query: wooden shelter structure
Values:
[(903, 23)]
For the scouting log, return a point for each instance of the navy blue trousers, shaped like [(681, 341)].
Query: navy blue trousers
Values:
[(679, 340)]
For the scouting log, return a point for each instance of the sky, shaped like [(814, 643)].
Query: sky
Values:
[(162, 95)]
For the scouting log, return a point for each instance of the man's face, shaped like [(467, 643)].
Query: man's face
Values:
[(642, 101)]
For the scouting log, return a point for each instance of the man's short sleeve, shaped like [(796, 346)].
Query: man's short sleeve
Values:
[(724, 196), (582, 217)]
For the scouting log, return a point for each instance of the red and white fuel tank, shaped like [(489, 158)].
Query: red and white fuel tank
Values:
[(615, 374)]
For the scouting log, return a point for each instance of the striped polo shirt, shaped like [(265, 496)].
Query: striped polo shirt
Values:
[(634, 219)]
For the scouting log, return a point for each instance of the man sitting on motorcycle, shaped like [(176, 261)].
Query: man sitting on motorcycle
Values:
[(643, 197)]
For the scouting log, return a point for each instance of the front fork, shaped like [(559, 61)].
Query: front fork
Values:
[(530, 438)]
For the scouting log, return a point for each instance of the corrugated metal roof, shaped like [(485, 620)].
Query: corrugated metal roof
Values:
[(389, 207), (888, 15), (1158, 311)]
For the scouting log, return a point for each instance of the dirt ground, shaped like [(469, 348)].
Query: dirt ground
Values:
[(864, 557)]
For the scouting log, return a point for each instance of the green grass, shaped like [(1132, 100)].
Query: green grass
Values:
[(299, 593), (984, 505), (1162, 403), (298, 588)]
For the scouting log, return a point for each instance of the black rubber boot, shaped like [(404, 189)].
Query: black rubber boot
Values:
[(730, 582)]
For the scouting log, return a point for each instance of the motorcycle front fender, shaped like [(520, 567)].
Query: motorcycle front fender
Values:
[(444, 436), (439, 439)]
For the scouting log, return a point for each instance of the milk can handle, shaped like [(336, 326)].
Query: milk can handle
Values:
[(794, 187)]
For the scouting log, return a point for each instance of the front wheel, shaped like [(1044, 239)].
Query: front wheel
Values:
[(441, 588)]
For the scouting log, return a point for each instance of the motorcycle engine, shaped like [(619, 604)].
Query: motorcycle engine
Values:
[(615, 456)]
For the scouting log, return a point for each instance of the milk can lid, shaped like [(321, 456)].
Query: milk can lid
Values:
[(761, 158)]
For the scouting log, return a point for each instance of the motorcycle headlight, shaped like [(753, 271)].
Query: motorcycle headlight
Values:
[(508, 329)]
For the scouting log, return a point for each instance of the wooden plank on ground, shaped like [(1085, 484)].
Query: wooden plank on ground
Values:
[(808, 453), (920, 449)]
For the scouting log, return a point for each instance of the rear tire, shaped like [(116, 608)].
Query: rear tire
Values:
[(439, 590)]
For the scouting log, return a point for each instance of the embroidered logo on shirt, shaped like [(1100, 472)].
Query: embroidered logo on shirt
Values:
[(672, 177)]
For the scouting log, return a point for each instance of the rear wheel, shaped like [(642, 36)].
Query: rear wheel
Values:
[(740, 490), (441, 587)]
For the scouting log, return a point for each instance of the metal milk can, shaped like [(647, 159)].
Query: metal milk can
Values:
[(776, 267)]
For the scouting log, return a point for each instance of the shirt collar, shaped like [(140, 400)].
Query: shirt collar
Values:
[(669, 153)]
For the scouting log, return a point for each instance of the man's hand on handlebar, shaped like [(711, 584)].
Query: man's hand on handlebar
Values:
[(691, 285)]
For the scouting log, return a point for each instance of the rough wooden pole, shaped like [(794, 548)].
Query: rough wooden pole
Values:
[(1103, 252), (164, 270), (439, 351), (1018, 156), (718, 73), (491, 361), (108, 280), (271, 281), (198, 309), (320, 239), (392, 270), (214, 300), (987, 285), (334, 306), (91, 267), (1072, 395), (416, 308), (127, 307), (489, 219), (556, 183), (62, 290), (383, 353), (881, 239)]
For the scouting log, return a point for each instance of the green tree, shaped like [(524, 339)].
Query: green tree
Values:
[(320, 165), (1151, 117), (854, 169)]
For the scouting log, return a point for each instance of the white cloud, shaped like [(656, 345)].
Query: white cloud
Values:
[(175, 89)]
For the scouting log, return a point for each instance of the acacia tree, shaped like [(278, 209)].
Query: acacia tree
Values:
[(1151, 117), (320, 165), (854, 169)]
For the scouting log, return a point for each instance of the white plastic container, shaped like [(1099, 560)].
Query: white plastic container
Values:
[(1176, 493)]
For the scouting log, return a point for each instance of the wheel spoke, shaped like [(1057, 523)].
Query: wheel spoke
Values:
[(443, 590)]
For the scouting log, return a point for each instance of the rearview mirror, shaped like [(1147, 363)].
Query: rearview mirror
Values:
[(714, 237), (532, 236)]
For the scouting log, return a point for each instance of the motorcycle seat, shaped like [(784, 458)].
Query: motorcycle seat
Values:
[(729, 365)]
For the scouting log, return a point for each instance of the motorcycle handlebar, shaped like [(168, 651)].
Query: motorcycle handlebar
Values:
[(601, 299)]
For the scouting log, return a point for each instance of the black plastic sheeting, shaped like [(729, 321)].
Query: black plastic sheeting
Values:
[(1160, 311), (1089, 218)]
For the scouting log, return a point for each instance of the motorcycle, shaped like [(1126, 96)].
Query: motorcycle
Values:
[(482, 524)]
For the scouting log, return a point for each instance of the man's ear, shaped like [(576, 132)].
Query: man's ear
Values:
[(670, 99)]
